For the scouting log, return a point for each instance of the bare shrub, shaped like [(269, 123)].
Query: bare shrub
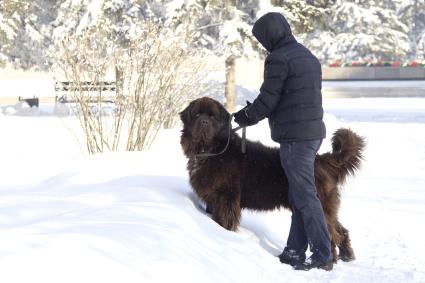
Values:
[(155, 71)]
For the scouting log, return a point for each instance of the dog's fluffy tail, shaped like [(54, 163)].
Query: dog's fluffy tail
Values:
[(347, 150)]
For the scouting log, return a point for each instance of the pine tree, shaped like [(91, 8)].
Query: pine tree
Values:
[(224, 28), (412, 14), (309, 21), (33, 40), (12, 13), (348, 30), (305, 16), (235, 40)]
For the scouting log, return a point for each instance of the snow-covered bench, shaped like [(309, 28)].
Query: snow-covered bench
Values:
[(65, 87)]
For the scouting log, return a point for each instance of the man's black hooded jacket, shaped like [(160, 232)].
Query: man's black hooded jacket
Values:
[(290, 96)]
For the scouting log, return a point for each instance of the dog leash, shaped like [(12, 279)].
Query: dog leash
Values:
[(243, 145)]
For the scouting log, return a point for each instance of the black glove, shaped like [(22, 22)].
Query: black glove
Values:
[(241, 117)]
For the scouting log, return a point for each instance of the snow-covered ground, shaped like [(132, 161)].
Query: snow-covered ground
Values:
[(132, 217)]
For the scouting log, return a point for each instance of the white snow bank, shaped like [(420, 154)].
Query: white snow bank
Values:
[(132, 217)]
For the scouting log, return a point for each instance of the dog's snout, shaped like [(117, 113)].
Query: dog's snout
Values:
[(204, 122)]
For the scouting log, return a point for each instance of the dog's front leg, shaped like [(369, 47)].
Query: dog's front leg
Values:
[(209, 208), (226, 211)]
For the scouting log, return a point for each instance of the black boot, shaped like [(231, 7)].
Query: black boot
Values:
[(311, 263), (291, 258)]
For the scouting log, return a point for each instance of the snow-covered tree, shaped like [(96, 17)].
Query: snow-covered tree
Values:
[(305, 16), (368, 30), (234, 40), (348, 30), (412, 14), (25, 31), (332, 29), (33, 40), (222, 27), (12, 13)]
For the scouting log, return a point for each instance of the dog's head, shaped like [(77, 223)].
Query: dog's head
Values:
[(205, 120)]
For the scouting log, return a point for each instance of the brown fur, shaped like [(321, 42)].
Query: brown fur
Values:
[(255, 180)]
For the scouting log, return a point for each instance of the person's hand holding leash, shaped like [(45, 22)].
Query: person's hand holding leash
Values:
[(242, 118)]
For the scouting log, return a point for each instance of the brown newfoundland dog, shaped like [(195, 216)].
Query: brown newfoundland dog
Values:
[(255, 180)]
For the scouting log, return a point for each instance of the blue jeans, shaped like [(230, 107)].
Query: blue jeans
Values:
[(308, 225)]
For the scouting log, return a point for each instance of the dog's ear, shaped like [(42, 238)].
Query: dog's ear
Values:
[(224, 115), (185, 114)]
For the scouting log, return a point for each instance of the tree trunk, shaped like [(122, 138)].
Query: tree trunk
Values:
[(230, 86), (119, 82), (415, 28)]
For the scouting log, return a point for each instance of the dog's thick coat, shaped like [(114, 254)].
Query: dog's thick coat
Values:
[(255, 180)]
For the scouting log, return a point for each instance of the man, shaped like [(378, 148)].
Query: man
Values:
[(290, 97)]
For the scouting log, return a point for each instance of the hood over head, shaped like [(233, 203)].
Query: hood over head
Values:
[(272, 30)]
